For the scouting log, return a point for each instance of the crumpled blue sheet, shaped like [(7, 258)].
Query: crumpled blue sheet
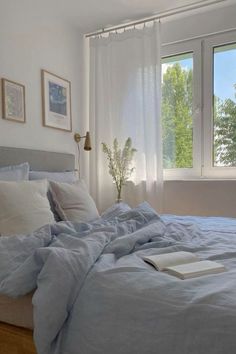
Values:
[(94, 293)]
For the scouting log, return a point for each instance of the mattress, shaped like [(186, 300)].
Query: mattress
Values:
[(18, 312)]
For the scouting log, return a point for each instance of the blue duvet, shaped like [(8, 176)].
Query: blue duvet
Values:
[(94, 293)]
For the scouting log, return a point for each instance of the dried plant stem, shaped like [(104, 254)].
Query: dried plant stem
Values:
[(119, 161)]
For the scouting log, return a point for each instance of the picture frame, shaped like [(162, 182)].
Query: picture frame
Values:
[(13, 101), (56, 101)]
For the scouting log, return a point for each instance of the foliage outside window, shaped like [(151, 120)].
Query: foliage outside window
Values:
[(177, 120), (225, 106), (199, 108)]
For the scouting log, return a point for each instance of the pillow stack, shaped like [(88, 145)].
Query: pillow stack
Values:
[(26, 205), (69, 198)]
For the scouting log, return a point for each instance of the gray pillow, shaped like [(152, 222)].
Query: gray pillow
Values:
[(73, 201), (65, 177), (15, 173)]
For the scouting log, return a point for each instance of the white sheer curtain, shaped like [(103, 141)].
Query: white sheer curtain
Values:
[(125, 96)]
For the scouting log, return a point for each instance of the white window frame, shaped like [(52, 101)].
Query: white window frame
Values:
[(209, 171), (194, 47)]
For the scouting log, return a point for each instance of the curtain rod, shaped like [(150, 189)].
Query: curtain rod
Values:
[(176, 11)]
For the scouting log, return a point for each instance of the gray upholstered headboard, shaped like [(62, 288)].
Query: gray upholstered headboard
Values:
[(38, 160)]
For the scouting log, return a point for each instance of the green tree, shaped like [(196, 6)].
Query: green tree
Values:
[(177, 122), (225, 131), (177, 117)]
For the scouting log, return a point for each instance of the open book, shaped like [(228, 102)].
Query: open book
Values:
[(183, 265)]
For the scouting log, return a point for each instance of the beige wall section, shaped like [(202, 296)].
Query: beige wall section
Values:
[(209, 198), (26, 48)]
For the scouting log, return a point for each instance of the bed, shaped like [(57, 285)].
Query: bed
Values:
[(95, 295), (18, 339), (18, 312)]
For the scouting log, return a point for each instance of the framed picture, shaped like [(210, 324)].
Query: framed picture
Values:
[(13, 101), (56, 100)]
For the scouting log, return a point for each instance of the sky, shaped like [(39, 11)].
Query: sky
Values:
[(224, 72)]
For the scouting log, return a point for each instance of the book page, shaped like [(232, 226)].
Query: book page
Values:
[(161, 261), (196, 269)]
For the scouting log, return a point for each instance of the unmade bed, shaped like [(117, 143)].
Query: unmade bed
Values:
[(94, 294)]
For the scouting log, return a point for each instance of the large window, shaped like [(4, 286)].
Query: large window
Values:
[(199, 108)]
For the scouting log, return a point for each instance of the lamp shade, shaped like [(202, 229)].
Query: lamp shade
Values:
[(87, 143)]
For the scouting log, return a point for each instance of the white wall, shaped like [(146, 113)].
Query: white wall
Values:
[(203, 197), (25, 49), (208, 20), (209, 198)]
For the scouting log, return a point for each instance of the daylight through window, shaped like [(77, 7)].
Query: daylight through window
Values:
[(224, 100), (177, 115)]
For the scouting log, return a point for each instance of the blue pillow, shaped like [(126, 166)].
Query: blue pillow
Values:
[(64, 177), (15, 173)]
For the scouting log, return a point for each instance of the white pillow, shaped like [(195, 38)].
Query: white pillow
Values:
[(73, 202), (15, 173), (24, 207)]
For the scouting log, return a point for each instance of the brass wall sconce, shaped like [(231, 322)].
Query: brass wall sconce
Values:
[(87, 142), (87, 145)]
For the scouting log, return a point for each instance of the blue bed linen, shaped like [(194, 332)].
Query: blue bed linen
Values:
[(96, 295), (209, 223)]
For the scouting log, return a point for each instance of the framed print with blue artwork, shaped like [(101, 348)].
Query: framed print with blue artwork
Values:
[(56, 99)]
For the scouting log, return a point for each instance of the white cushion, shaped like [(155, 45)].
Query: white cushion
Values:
[(24, 207), (73, 202), (15, 173)]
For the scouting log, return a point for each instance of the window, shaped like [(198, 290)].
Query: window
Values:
[(219, 116), (181, 102), (199, 108), (224, 105), (177, 111)]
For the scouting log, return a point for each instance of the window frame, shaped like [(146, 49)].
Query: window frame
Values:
[(194, 47), (209, 170)]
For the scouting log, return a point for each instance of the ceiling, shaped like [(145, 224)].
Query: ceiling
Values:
[(86, 15)]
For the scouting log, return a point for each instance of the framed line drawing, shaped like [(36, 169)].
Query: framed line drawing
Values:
[(56, 101), (13, 101)]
